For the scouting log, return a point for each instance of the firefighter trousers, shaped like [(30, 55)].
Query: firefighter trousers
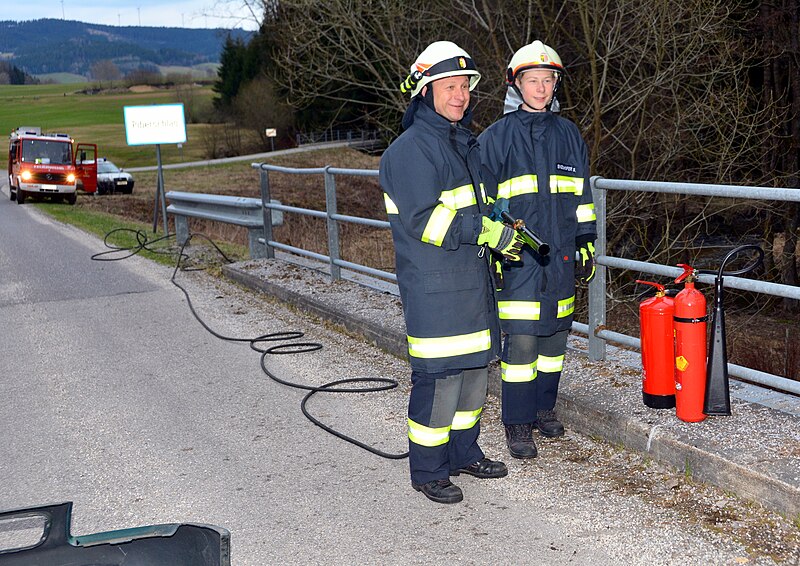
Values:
[(530, 369), (444, 422)]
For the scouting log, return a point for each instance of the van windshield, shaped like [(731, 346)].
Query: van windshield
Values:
[(44, 152)]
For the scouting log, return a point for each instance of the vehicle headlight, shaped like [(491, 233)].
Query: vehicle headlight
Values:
[(26, 175), (71, 178)]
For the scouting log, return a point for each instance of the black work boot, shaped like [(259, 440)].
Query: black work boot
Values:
[(440, 491), (548, 424), (484, 469), (519, 438)]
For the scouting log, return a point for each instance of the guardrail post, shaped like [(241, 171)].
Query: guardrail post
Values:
[(269, 251), (333, 225), (597, 288), (181, 229)]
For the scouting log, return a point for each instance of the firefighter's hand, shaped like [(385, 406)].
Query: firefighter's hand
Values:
[(584, 266), (500, 206), (501, 239)]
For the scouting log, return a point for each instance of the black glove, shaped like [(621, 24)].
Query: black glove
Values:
[(584, 266)]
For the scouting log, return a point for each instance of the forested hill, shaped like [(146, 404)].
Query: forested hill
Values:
[(62, 46)]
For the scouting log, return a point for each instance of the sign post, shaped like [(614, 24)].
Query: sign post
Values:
[(271, 133), (154, 125)]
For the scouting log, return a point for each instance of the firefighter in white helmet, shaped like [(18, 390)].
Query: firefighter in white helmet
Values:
[(536, 165), (437, 208)]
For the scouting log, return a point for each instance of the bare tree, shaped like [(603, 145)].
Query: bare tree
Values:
[(105, 70)]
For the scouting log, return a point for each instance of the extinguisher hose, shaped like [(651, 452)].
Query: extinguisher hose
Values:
[(258, 343), (720, 273)]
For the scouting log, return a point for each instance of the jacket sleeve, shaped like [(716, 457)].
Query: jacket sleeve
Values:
[(429, 212), (490, 167), (587, 220)]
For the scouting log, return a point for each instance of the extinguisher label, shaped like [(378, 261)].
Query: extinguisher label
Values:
[(681, 363)]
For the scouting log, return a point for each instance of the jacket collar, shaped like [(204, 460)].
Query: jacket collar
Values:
[(419, 112)]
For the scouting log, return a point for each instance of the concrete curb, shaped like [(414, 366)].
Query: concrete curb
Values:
[(600, 411)]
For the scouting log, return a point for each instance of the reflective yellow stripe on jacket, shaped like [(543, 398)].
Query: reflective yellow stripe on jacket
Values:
[(438, 224), (460, 197), (447, 346), (519, 310), (566, 307), (524, 184), (585, 212), (391, 207), (564, 184), (426, 436), (517, 373)]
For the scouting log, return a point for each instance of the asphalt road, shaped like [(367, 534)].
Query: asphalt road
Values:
[(114, 397)]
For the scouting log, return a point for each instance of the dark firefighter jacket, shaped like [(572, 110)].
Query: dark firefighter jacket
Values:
[(539, 162), (434, 199)]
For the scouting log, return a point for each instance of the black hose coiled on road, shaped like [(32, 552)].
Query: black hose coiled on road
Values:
[(144, 243)]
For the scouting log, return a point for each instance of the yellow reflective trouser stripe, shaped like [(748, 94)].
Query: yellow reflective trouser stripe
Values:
[(517, 373), (464, 420), (438, 224), (564, 184), (586, 213), (519, 310), (426, 436), (391, 207), (551, 364), (566, 307), (460, 197), (524, 184), (449, 345)]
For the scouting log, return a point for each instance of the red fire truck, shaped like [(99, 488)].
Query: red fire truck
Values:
[(46, 164)]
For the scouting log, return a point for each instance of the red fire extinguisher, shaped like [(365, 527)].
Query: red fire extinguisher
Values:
[(690, 348), (658, 367)]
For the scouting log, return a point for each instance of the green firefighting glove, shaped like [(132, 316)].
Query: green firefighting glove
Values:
[(584, 266), (497, 273), (501, 239)]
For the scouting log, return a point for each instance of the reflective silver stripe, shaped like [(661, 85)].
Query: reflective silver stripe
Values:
[(564, 184), (464, 420), (566, 307), (519, 310), (449, 345), (460, 197), (426, 436), (438, 224), (391, 208), (551, 364), (524, 184), (585, 212), (517, 373)]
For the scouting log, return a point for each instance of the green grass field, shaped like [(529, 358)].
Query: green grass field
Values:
[(95, 118)]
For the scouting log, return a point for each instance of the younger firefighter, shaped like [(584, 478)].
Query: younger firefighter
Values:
[(537, 163), (437, 209)]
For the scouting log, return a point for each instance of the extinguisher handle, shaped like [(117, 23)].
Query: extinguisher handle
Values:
[(658, 286), (688, 271)]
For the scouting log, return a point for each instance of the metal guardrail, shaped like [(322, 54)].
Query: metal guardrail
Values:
[(330, 214), (241, 211), (596, 329), (331, 135)]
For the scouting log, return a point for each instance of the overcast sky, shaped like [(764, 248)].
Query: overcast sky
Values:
[(158, 13)]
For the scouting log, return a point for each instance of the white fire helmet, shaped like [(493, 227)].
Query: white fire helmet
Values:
[(439, 60), (535, 55)]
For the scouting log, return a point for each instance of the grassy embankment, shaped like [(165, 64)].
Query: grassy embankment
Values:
[(97, 118)]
